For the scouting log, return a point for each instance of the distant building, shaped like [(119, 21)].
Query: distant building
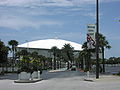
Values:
[(43, 46)]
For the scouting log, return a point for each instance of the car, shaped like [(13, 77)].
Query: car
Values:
[(73, 68)]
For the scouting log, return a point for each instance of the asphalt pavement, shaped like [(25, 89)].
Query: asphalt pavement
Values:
[(62, 80)]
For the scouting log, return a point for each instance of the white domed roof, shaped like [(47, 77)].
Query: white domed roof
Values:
[(49, 43)]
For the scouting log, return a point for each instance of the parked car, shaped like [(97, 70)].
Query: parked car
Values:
[(73, 68)]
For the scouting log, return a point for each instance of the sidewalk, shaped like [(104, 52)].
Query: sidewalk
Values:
[(108, 78), (102, 78)]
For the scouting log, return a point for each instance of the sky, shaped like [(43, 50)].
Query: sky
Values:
[(29, 20)]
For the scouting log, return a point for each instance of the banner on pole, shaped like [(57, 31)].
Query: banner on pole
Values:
[(91, 36)]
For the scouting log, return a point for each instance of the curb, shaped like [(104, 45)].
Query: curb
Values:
[(88, 79), (28, 81)]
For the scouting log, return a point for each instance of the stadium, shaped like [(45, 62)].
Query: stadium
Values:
[(43, 46)]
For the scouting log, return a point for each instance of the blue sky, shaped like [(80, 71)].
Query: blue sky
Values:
[(30, 20)]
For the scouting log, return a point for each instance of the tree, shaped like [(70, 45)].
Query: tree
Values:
[(5, 51), (3, 54), (24, 62), (87, 54), (34, 55), (68, 54), (84, 54), (34, 60), (38, 61), (81, 57), (59, 58), (43, 59), (54, 51), (103, 43), (13, 43)]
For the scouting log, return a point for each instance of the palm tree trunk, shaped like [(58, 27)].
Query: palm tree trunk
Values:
[(68, 66), (6, 65), (103, 62), (85, 63), (44, 67), (88, 62), (51, 64), (54, 63), (82, 64), (13, 62), (3, 71), (57, 64), (60, 64)]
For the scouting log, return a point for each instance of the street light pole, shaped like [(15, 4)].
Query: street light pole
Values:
[(27, 45), (97, 39)]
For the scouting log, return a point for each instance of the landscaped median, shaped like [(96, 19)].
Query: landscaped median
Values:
[(28, 81), (25, 77)]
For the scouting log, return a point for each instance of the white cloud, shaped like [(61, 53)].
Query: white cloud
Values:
[(17, 23), (109, 0), (30, 3), (70, 35), (74, 36), (17, 18), (93, 15)]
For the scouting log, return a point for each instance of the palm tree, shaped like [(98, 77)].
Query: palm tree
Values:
[(86, 53), (43, 59), (5, 51), (59, 57), (54, 50), (68, 53), (3, 54), (103, 43), (13, 43), (34, 55), (81, 57), (1, 51), (35, 60), (24, 62)]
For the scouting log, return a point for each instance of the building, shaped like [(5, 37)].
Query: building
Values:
[(43, 46)]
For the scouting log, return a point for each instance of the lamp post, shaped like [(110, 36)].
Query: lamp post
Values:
[(27, 45), (97, 39)]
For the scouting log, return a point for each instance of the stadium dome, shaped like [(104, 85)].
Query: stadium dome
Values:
[(49, 43)]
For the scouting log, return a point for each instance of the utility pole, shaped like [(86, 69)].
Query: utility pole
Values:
[(97, 39)]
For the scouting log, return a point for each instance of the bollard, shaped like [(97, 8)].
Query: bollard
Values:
[(38, 74), (88, 74)]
